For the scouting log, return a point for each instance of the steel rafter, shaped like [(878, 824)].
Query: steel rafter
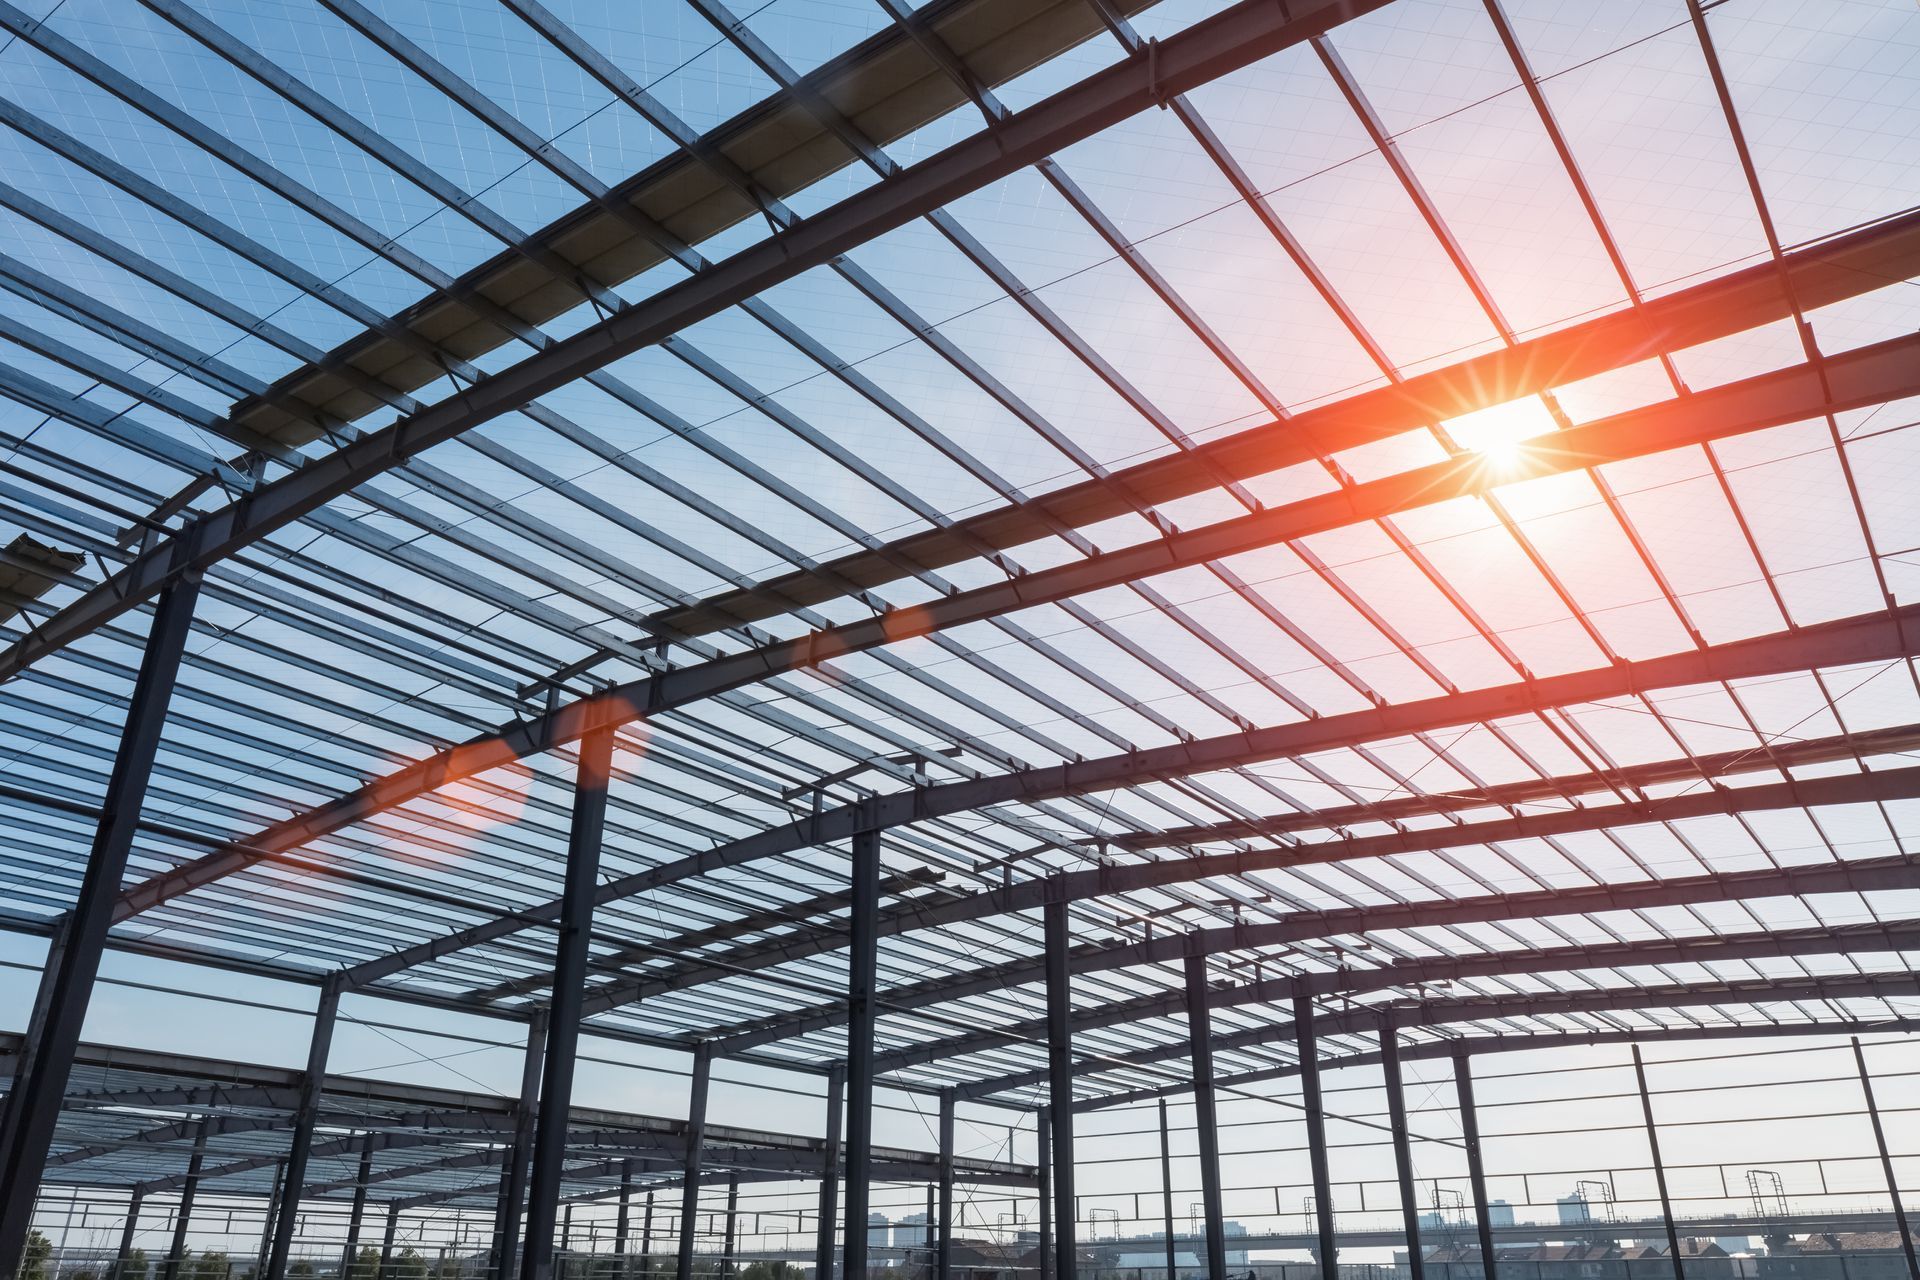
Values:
[(1859, 876), (1441, 1013), (1862, 639), (1867, 376), (1851, 940)]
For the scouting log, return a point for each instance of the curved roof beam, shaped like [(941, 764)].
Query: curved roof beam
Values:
[(1440, 1013), (1852, 940), (1860, 876), (1476, 1045), (1866, 638), (1866, 376), (1869, 375)]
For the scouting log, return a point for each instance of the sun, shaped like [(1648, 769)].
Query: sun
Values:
[(1500, 434)]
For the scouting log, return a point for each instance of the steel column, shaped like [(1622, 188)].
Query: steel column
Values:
[(830, 1178), (943, 1259), (1060, 1086), (349, 1255), (570, 955), (126, 1237), (294, 1174), (862, 978), (690, 1163), (1043, 1143), (183, 1212), (1206, 1120), (1307, 1050), (1886, 1161), (1659, 1167), (1402, 1146), (269, 1223), (626, 1207), (733, 1219), (1166, 1188), (519, 1153), (66, 983), (1476, 1170), (386, 1241), (646, 1236)]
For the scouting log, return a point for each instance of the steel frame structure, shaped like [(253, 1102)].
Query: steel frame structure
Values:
[(660, 710)]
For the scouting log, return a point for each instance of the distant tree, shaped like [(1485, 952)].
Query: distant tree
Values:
[(81, 1273), (409, 1265), (135, 1265), (774, 1270), (365, 1265), (211, 1265), (33, 1259), (301, 1268)]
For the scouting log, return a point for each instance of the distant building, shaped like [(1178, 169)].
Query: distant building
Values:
[(1838, 1255), (910, 1232), (1500, 1213), (1574, 1211), (1705, 1260), (877, 1230)]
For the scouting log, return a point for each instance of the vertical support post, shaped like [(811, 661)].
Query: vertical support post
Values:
[(176, 1253), (272, 1216), (350, 1254), (830, 1178), (1886, 1161), (126, 1236), (293, 1180), (386, 1241), (646, 1236), (1043, 1141), (1166, 1188), (733, 1219), (66, 983), (1476, 1169), (1307, 1049), (519, 1152), (626, 1208), (1206, 1119), (862, 976), (1060, 1087), (690, 1162), (575, 927), (1659, 1168), (1402, 1146), (943, 1257)]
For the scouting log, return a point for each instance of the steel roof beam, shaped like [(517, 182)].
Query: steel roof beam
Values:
[(1446, 1047), (1869, 638), (1700, 666), (1210, 48), (1831, 271), (1863, 875), (1438, 1013), (1869, 375), (1852, 940), (1102, 881)]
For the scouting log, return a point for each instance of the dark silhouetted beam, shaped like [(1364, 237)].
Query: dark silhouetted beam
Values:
[(1438, 1013), (1866, 638), (1869, 375), (1114, 879), (1864, 939), (1511, 1041)]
